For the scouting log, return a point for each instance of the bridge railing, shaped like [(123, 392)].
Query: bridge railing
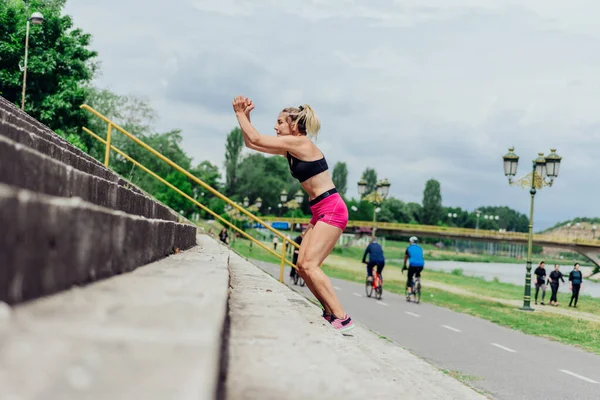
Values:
[(112, 125), (448, 230)]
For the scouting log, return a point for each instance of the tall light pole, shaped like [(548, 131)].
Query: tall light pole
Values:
[(544, 171), (376, 197), (36, 19), (293, 204)]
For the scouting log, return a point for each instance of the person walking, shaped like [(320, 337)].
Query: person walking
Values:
[(540, 281), (294, 127), (576, 283), (553, 279)]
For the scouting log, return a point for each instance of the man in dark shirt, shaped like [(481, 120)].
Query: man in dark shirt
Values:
[(376, 258), (553, 279), (540, 281), (576, 279), (298, 240)]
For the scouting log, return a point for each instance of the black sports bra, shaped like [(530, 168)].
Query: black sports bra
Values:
[(303, 170)]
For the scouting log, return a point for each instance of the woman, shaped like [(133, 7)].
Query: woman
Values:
[(295, 127), (553, 279), (576, 281)]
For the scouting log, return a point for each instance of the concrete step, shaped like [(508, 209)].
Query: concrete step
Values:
[(21, 128), (152, 334), (13, 122), (52, 243), (281, 348), (28, 169)]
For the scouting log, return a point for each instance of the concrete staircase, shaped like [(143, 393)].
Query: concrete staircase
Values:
[(66, 219)]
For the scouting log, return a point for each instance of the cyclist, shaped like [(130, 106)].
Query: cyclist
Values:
[(414, 253), (376, 258)]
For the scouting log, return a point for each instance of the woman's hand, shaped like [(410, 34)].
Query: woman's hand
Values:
[(249, 107), (240, 105)]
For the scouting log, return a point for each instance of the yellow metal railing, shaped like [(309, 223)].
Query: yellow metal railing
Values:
[(467, 232), (109, 147)]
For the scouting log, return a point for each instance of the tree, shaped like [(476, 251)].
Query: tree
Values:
[(393, 210), (233, 151), (370, 176), (340, 177), (432, 203), (60, 65), (414, 212), (264, 177)]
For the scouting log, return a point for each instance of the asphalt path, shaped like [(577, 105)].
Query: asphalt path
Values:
[(504, 363)]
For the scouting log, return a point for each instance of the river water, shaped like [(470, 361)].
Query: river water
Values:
[(510, 273)]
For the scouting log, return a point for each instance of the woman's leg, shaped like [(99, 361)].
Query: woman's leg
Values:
[(318, 243), (299, 271), (576, 289)]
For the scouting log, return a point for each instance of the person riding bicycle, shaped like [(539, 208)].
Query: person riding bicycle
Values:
[(414, 253), (376, 258)]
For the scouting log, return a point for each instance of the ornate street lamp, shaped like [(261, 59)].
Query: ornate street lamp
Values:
[(544, 171)]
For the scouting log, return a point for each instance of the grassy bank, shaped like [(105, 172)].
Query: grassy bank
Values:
[(565, 329)]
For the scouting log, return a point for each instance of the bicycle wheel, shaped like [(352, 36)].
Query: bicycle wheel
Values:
[(378, 287), (368, 287), (418, 292)]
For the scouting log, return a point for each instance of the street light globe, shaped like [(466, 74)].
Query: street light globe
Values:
[(353, 208), (511, 161), (454, 215), (36, 18), (383, 188), (540, 165), (449, 215), (283, 196), (362, 187), (553, 164), (496, 218), (299, 197), (246, 201), (258, 202)]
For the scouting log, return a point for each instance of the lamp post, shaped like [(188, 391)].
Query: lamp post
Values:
[(544, 171), (293, 204), (36, 19), (376, 197)]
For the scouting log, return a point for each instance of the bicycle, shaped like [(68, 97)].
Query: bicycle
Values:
[(374, 284)]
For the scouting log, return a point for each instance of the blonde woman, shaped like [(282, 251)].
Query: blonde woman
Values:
[(295, 126)]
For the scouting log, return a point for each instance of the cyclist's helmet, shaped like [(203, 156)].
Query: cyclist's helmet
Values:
[(413, 239)]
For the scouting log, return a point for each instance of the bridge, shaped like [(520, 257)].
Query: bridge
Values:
[(589, 248)]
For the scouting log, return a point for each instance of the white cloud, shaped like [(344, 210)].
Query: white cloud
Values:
[(416, 89)]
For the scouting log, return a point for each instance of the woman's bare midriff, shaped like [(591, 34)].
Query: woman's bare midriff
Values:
[(318, 184)]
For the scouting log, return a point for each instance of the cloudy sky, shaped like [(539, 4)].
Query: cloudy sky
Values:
[(417, 89)]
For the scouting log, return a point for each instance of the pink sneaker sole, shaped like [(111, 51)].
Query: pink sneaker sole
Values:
[(343, 325)]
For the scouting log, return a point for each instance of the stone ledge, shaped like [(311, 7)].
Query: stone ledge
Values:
[(52, 243), (28, 169), (281, 348), (151, 334)]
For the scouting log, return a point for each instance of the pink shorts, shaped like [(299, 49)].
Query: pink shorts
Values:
[(329, 208)]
